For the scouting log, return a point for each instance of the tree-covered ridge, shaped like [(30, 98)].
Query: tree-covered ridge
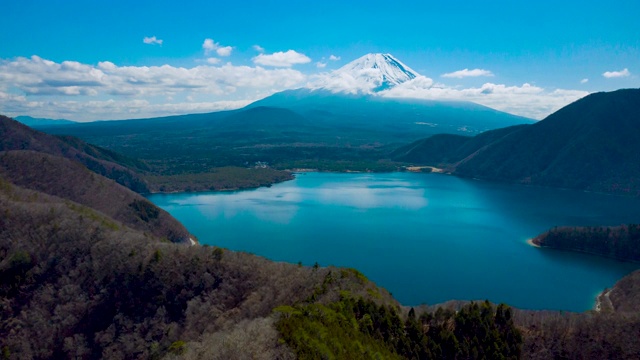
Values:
[(363, 329), (588, 145), (617, 242), (226, 178), (68, 179), (448, 149), (122, 169), (155, 175), (75, 283)]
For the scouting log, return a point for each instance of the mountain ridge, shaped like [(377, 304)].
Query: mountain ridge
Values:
[(587, 145), (62, 167)]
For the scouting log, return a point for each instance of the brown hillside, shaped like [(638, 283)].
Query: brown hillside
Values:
[(68, 179), (16, 136)]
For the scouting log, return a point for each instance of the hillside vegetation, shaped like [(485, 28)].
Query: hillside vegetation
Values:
[(77, 284), (70, 180), (122, 169), (617, 242), (588, 145)]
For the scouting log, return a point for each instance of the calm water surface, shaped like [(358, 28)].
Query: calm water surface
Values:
[(427, 238)]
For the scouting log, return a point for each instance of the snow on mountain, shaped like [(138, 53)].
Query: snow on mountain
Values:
[(371, 73)]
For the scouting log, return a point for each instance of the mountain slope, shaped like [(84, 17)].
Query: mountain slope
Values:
[(590, 144), (31, 121), (75, 283), (394, 117), (72, 169), (68, 179), (85, 271), (448, 149), (16, 136)]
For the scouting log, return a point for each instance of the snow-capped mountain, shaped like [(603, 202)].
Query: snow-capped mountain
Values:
[(374, 94), (368, 74)]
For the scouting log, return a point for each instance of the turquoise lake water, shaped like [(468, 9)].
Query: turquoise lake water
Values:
[(427, 238)]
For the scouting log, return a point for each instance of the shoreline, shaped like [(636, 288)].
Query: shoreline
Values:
[(531, 243), (603, 302)]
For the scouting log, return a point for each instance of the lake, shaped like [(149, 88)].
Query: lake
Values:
[(427, 238)]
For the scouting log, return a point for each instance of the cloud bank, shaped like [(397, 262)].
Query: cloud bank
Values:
[(77, 91), (524, 100), (282, 59)]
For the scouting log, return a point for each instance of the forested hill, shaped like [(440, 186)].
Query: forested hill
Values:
[(16, 136), (446, 150), (75, 283), (71, 169), (68, 179), (590, 144), (617, 242)]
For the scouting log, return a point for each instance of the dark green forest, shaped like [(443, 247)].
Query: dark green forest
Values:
[(362, 329), (617, 242), (587, 145)]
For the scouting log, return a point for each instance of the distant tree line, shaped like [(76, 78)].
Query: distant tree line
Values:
[(618, 242)]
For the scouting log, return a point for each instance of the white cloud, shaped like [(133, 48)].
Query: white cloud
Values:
[(258, 48), (282, 59), (616, 74), (525, 100), (584, 81), (467, 73), (334, 58), (224, 51), (41, 85), (341, 82), (208, 45), (321, 65), (152, 40), (213, 61), (110, 109)]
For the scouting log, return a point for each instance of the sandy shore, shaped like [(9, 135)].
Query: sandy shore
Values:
[(420, 168), (530, 242)]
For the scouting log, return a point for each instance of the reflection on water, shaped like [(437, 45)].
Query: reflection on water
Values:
[(427, 238)]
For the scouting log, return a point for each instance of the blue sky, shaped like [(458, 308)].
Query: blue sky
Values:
[(87, 60)]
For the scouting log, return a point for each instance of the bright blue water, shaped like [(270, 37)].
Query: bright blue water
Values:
[(427, 238)]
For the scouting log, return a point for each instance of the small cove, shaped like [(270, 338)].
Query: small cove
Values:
[(427, 238)]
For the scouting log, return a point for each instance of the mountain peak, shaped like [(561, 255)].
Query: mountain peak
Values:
[(368, 74)]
